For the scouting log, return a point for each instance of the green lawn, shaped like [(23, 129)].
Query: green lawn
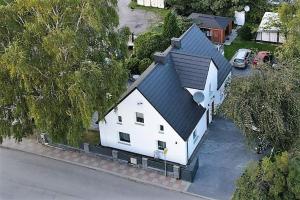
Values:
[(242, 44)]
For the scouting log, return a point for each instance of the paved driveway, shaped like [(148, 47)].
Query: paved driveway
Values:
[(137, 20), (236, 72), (223, 155)]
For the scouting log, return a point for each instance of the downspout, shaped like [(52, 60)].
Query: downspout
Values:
[(187, 151)]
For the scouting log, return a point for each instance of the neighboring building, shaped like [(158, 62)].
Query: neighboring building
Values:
[(239, 18), (278, 2), (268, 30), (217, 28), (152, 3), (159, 111)]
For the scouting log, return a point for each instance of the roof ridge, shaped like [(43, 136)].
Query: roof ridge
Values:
[(187, 31), (191, 54)]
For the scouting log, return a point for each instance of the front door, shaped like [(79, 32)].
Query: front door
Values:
[(212, 109), (207, 117)]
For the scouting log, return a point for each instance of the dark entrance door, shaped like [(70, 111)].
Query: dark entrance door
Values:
[(212, 109), (207, 117)]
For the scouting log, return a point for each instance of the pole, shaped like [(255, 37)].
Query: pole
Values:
[(165, 166)]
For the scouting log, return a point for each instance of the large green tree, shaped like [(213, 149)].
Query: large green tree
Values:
[(153, 41), (221, 7), (266, 106), (273, 178), (60, 61), (171, 27)]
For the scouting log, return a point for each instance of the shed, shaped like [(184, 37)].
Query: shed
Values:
[(269, 30), (216, 28)]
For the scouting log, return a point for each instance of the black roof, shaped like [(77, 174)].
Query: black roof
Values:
[(210, 21), (163, 90), (194, 42), (191, 69), (164, 83)]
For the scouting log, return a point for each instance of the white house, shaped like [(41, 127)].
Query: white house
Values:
[(171, 104), (152, 3), (268, 30)]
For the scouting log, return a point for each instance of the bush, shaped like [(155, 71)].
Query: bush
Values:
[(132, 64), (272, 178), (144, 64), (147, 44), (245, 32)]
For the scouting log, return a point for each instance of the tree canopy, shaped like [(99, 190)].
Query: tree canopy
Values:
[(60, 61), (273, 178), (153, 41), (221, 7), (266, 106)]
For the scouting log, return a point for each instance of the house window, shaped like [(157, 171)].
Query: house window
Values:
[(195, 135), (120, 119), (161, 128), (140, 117), (161, 145), (124, 137)]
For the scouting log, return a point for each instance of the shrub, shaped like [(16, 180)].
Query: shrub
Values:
[(245, 32)]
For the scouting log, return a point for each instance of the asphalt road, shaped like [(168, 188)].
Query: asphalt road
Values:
[(137, 20), (27, 176)]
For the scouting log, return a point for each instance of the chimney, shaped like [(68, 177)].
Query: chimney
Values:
[(176, 43), (159, 57)]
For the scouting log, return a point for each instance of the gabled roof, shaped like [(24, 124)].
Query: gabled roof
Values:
[(270, 22), (162, 88), (191, 69), (164, 84), (210, 21), (194, 42)]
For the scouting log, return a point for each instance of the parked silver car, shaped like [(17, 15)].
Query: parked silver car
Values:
[(241, 59)]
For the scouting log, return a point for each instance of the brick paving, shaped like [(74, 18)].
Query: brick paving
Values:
[(99, 163)]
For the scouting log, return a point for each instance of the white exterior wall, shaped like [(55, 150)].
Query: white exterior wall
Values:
[(270, 37), (152, 3), (161, 3), (221, 92), (147, 2), (200, 130), (211, 81), (143, 138), (140, 2)]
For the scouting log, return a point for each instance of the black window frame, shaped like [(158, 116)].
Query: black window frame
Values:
[(161, 128), (161, 146), (195, 135), (124, 139), (120, 120), (140, 119)]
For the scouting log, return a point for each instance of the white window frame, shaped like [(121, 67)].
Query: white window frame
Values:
[(124, 141), (158, 146), (141, 116)]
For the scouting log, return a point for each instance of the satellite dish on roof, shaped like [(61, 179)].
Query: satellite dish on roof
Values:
[(198, 97), (247, 8)]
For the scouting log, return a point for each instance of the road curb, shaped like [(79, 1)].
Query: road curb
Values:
[(112, 173)]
